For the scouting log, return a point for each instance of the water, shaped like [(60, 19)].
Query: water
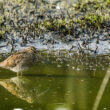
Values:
[(58, 83)]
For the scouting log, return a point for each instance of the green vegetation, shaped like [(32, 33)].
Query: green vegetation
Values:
[(96, 14), (91, 14), (108, 3), (2, 32), (3, 29), (91, 20), (89, 6), (59, 25)]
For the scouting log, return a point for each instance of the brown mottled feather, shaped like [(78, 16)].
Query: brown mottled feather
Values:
[(14, 59), (23, 58)]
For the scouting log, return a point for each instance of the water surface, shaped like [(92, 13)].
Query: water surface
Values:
[(58, 83)]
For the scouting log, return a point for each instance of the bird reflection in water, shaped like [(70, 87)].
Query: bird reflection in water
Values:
[(22, 88)]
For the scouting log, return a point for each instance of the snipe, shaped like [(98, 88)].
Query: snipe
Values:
[(20, 61)]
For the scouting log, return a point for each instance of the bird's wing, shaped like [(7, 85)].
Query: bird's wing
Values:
[(14, 59)]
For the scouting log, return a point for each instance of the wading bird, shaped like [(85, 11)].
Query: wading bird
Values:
[(20, 61)]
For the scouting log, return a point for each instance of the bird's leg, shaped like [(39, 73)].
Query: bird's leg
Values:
[(21, 73), (17, 73)]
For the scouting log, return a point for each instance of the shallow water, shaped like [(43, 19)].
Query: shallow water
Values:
[(58, 83)]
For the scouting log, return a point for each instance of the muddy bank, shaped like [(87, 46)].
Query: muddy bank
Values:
[(79, 27)]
